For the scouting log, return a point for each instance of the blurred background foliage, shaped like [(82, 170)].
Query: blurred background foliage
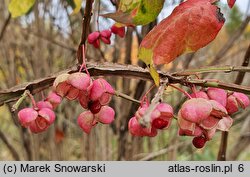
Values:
[(45, 40)]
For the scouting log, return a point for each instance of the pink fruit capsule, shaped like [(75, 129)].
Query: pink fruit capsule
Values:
[(26, 116), (106, 115), (86, 121), (120, 31), (231, 3), (60, 85), (196, 109), (80, 81), (235, 101), (92, 37), (161, 116), (105, 33), (242, 99), (54, 99), (83, 98), (44, 104), (137, 130), (199, 94), (37, 120), (218, 95), (101, 91), (105, 36), (96, 44), (105, 40)]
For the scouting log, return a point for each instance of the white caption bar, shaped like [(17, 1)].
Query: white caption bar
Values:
[(124, 168)]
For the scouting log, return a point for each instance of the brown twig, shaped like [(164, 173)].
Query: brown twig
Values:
[(111, 69), (245, 63), (6, 23), (85, 28), (156, 154), (224, 135), (10, 146), (188, 60), (231, 41), (53, 41), (242, 142)]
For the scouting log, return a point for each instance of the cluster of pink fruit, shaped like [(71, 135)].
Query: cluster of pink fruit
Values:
[(200, 116), (93, 96), (160, 118), (208, 111), (94, 38)]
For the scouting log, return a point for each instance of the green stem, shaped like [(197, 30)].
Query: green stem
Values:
[(213, 69), (175, 117), (122, 95), (19, 101)]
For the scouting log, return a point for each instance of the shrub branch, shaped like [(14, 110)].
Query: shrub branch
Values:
[(112, 69)]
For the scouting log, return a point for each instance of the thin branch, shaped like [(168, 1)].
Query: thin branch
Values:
[(245, 63), (156, 154), (242, 142), (222, 85), (53, 41), (231, 41), (223, 147), (85, 27), (9, 145), (112, 69), (188, 60), (181, 90), (224, 135), (213, 69), (6, 23), (122, 95)]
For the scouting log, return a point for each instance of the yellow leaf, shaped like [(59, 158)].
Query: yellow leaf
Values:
[(146, 56), (78, 5), (154, 74), (20, 7)]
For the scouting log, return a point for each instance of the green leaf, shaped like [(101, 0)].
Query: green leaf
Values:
[(148, 11), (20, 7), (136, 12)]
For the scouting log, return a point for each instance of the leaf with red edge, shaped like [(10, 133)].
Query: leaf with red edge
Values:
[(192, 25), (231, 3)]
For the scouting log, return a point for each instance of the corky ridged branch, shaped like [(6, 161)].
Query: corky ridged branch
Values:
[(112, 69)]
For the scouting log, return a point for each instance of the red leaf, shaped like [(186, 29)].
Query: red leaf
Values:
[(231, 3), (192, 25)]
